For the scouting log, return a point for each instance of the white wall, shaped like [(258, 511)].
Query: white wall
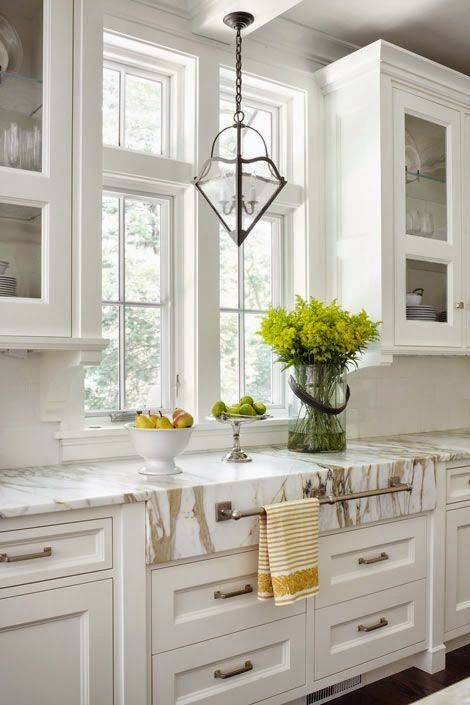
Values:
[(414, 394), (24, 439)]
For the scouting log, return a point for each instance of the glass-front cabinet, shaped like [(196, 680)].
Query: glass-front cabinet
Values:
[(35, 167), (429, 301)]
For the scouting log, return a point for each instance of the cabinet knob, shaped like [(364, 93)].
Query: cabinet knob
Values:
[(460, 304)]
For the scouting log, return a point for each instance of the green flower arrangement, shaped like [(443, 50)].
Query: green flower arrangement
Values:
[(319, 341), (315, 332)]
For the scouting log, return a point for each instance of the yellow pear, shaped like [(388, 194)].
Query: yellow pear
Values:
[(143, 421), (163, 422)]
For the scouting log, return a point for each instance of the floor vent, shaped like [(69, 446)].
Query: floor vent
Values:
[(332, 691)]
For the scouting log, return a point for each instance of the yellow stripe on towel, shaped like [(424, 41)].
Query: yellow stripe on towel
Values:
[(288, 551)]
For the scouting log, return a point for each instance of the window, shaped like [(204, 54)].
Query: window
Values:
[(135, 307), (251, 277), (250, 282), (135, 109)]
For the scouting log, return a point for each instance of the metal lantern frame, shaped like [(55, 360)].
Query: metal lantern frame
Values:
[(239, 21)]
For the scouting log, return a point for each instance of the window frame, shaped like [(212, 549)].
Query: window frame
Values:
[(167, 107)]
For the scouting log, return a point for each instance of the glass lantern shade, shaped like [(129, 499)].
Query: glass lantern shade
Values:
[(239, 190)]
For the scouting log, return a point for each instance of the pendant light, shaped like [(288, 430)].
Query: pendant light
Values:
[(238, 187)]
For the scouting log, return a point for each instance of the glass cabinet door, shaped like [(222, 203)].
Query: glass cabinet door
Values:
[(427, 223), (35, 166)]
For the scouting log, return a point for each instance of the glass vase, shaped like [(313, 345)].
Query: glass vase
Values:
[(317, 412)]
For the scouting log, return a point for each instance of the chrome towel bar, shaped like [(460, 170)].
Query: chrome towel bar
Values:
[(224, 511)]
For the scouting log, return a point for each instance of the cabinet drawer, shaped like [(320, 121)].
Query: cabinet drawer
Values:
[(188, 602), (363, 629), (356, 563), (458, 483), (46, 552), (240, 668)]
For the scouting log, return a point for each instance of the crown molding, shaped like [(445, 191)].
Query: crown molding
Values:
[(297, 40)]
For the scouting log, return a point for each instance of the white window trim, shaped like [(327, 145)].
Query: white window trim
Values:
[(200, 62)]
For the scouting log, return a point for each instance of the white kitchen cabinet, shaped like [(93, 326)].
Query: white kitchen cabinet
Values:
[(394, 196), (57, 646), (457, 608), (35, 174)]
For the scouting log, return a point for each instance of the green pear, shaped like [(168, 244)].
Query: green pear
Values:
[(247, 410), (246, 400), (218, 409), (234, 410), (260, 408)]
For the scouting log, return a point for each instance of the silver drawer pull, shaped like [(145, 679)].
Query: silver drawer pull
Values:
[(236, 672), (218, 595), (381, 623), (45, 553), (378, 559)]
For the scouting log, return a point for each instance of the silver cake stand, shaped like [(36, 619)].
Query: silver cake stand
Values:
[(237, 454)]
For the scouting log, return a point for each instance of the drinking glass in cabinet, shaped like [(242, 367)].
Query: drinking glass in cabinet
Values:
[(21, 87), (430, 278), (426, 182), (20, 251)]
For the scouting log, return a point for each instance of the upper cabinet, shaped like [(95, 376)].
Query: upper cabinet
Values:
[(396, 236), (36, 81)]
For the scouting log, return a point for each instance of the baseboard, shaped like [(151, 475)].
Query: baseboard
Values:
[(457, 642)]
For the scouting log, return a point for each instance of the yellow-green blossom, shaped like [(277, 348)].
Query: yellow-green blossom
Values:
[(315, 332)]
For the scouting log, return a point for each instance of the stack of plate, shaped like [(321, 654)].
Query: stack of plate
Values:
[(7, 285), (421, 312)]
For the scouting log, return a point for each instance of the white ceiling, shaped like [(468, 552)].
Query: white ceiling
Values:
[(437, 29)]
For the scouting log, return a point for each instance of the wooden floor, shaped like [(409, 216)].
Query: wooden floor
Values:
[(410, 685)]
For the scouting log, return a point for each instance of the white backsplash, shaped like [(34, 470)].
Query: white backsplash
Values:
[(415, 394)]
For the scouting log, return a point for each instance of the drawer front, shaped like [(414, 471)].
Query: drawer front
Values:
[(458, 484), (240, 668), (356, 563), (363, 629), (46, 552), (208, 599)]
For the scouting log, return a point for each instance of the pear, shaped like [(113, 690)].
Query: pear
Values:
[(260, 408), (234, 410), (143, 421), (182, 420), (247, 410), (163, 423), (247, 400), (218, 408)]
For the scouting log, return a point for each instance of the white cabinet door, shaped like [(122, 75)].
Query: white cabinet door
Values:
[(428, 252), (56, 646), (457, 569), (35, 173)]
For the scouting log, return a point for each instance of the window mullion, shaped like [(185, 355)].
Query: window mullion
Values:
[(241, 322), (122, 310)]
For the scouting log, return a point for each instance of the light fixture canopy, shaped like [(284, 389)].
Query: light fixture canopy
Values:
[(238, 187)]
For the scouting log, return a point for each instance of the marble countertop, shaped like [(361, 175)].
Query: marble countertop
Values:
[(75, 486), (457, 694)]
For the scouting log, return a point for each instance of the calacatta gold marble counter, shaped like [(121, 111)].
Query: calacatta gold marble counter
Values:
[(180, 508)]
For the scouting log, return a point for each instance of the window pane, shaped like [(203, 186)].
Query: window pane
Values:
[(257, 257), (142, 250), (142, 354), (20, 251), (229, 357), (110, 106), (228, 271), (102, 382), (258, 362), (255, 117), (143, 114), (110, 248)]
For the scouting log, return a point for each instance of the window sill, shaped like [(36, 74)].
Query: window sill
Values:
[(114, 442)]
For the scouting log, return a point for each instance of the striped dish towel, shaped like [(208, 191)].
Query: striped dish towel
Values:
[(288, 551)]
